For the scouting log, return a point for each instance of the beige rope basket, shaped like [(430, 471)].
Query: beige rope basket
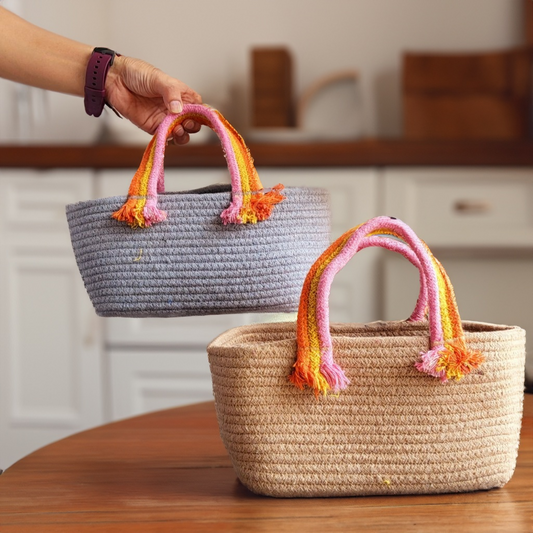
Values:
[(377, 423)]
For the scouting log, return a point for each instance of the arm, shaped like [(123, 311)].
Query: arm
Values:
[(137, 90), (34, 56)]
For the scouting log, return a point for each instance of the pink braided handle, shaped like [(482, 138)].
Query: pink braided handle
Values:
[(250, 203), (207, 117), (353, 245), (448, 357)]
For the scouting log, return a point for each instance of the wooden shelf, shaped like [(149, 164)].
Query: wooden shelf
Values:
[(370, 152)]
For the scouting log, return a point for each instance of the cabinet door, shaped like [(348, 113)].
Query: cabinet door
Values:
[(478, 223), (144, 379), (354, 199), (49, 334)]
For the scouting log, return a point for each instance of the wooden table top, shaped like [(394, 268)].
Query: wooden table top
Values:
[(168, 471)]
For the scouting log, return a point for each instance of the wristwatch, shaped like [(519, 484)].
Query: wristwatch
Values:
[(100, 61)]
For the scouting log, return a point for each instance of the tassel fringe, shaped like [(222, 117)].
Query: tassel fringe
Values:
[(428, 363), (259, 207), (328, 377), (263, 204), (132, 213), (303, 375), (457, 361), (152, 214), (335, 376), (451, 361), (317, 382), (140, 213)]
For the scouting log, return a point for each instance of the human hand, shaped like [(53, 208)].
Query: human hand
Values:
[(144, 95)]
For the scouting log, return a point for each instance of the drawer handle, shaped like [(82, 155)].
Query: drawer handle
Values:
[(475, 207)]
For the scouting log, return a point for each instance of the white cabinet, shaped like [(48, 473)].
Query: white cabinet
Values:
[(479, 223), (354, 199), (157, 362), (458, 207), (64, 369), (50, 345)]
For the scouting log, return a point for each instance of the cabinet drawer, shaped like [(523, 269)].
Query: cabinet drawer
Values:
[(463, 207)]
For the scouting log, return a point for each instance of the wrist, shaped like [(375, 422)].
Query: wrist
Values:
[(114, 73), (98, 66)]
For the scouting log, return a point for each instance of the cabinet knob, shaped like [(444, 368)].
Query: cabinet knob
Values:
[(474, 207)]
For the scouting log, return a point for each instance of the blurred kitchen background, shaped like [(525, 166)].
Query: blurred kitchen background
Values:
[(413, 108), (207, 44)]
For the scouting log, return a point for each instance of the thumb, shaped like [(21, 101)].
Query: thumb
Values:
[(175, 105), (170, 91)]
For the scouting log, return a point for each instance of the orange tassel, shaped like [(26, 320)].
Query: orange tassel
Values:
[(131, 212), (303, 375), (456, 360), (263, 204)]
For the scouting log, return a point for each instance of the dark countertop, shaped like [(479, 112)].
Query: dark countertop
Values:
[(363, 153)]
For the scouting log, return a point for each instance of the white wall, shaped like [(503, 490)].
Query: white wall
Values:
[(206, 43)]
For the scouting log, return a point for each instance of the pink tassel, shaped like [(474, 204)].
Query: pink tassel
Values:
[(335, 376), (231, 215), (152, 214), (428, 363), (131, 212)]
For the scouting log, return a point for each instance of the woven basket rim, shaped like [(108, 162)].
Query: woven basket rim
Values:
[(245, 337), (200, 193)]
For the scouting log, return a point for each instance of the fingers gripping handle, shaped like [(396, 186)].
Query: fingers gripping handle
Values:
[(448, 356), (249, 203)]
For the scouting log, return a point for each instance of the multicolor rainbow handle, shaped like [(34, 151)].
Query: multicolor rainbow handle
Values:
[(448, 356), (250, 203)]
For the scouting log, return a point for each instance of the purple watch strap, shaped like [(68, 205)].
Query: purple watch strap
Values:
[(100, 61)]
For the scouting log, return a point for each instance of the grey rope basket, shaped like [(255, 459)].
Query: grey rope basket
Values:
[(220, 249)]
